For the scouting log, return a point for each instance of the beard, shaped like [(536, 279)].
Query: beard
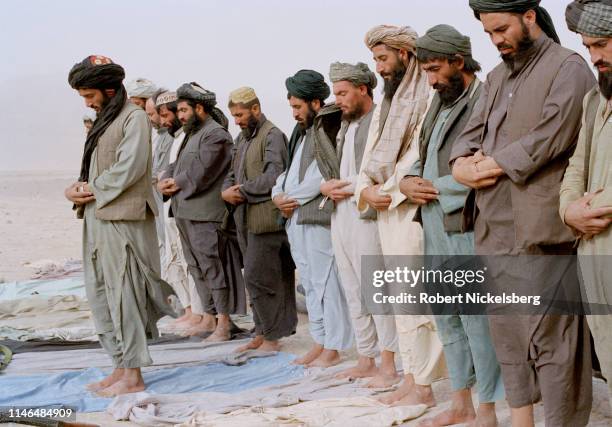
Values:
[(523, 48), (355, 114), (451, 91), (391, 85), (251, 127), (174, 127), (309, 119), (605, 84), (193, 124)]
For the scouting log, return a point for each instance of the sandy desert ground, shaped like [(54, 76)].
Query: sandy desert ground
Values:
[(37, 226)]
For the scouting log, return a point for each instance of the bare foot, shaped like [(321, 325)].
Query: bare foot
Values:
[(221, 334), (383, 380), (326, 359), (270, 346), (309, 357), (449, 417), (106, 382), (207, 323), (418, 395), (254, 344), (485, 417), (366, 367), (122, 386)]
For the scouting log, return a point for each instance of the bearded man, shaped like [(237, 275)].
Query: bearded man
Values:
[(513, 153), (115, 199), (194, 184), (391, 151), (259, 156), (298, 196), (586, 191)]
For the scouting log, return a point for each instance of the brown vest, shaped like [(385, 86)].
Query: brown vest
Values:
[(132, 204), (262, 217), (536, 203)]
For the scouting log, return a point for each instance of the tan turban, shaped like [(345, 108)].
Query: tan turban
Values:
[(392, 36), (242, 95)]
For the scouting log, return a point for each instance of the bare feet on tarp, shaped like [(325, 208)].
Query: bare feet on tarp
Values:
[(207, 323), (267, 345), (326, 359), (366, 367), (309, 357), (383, 380), (254, 344), (222, 333), (130, 382), (409, 393), (106, 382)]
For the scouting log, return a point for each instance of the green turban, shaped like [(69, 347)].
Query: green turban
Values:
[(358, 74), (307, 85), (593, 18), (446, 40), (517, 6)]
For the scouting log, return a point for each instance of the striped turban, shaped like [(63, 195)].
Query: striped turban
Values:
[(592, 18), (392, 36)]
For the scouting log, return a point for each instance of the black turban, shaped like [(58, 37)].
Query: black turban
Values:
[(517, 6), (307, 85), (98, 72), (196, 93)]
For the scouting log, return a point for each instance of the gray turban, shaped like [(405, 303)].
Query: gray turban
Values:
[(194, 92), (592, 18), (517, 6), (358, 74), (446, 40)]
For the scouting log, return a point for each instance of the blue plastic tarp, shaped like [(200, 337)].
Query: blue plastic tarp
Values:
[(68, 388)]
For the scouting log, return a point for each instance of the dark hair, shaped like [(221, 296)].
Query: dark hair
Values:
[(321, 101), (193, 104), (170, 105), (246, 105), (469, 64)]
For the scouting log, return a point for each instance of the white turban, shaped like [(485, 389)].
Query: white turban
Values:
[(140, 88)]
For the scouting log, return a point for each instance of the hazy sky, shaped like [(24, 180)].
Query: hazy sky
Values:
[(220, 44)]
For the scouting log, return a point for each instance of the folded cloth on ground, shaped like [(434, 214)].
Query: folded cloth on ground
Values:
[(73, 285), (146, 408), (164, 356), (339, 412)]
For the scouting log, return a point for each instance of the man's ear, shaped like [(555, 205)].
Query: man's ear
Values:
[(459, 62), (199, 110), (316, 104), (110, 92), (403, 55)]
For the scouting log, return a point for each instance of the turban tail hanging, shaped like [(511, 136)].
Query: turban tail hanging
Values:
[(517, 6), (98, 72), (196, 93), (406, 109), (592, 18)]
